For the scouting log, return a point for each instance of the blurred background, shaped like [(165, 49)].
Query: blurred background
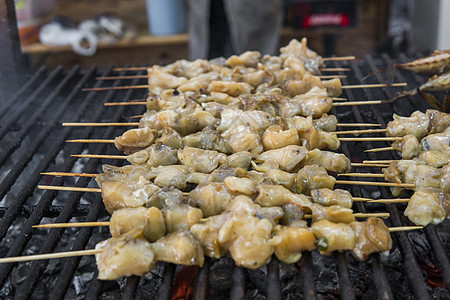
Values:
[(159, 32)]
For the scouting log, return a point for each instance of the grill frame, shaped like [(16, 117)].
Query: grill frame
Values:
[(14, 115)]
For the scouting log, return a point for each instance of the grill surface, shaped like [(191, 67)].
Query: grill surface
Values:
[(33, 141)]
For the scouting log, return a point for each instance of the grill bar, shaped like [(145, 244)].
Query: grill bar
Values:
[(306, 276), (166, 283), (238, 284), (273, 280), (74, 197), (201, 281)]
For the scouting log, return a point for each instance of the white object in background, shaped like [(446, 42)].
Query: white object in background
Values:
[(54, 34), (166, 17)]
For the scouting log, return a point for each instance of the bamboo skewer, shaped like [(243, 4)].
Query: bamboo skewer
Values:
[(68, 225), (357, 125), (356, 132), (146, 86), (50, 256), (146, 76), (335, 69), (68, 188), (380, 149), (339, 58), (377, 183), (97, 251), (105, 156), (69, 174), (355, 103), (369, 165), (124, 103), (96, 141), (388, 201), (374, 139), (362, 175), (101, 124), (378, 161)]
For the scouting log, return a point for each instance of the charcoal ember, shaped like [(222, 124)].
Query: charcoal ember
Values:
[(325, 273), (220, 274), (440, 293), (6, 290), (360, 274), (259, 277), (150, 282), (290, 283), (422, 248), (80, 282)]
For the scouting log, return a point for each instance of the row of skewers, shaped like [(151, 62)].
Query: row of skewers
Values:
[(216, 130)]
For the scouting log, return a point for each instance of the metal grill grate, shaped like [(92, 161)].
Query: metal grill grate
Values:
[(33, 141)]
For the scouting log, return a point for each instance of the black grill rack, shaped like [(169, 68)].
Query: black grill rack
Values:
[(33, 141)]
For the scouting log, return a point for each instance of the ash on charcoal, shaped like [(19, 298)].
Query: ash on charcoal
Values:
[(360, 274), (149, 283), (325, 274)]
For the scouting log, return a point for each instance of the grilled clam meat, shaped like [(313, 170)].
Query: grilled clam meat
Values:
[(283, 178), (310, 138), (417, 124), (428, 206), (171, 138), (435, 159), (159, 80), (313, 177), (200, 160), (301, 86), (412, 171), (445, 179), (289, 242), (436, 141), (258, 120), (292, 214), (166, 176), (151, 220), (154, 156), (326, 123), (240, 159), (334, 213), (188, 69), (287, 158), (243, 186), (371, 236), (246, 59), (328, 140), (131, 192), (247, 240), (313, 103), (333, 236), (166, 197), (275, 195), (275, 137), (135, 139), (208, 139), (212, 198), (408, 146), (310, 59), (330, 161), (439, 121), (126, 255), (328, 197), (243, 138), (181, 217), (179, 247), (437, 83), (231, 88)]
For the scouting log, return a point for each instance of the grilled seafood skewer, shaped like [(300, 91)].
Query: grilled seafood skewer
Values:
[(436, 63)]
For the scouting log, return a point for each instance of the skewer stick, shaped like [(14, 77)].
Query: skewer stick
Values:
[(387, 139), (145, 86), (378, 161), (122, 77), (136, 117), (380, 149), (369, 165), (131, 69), (334, 69), (68, 188), (339, 58), (404, 228), (101, 124), (125, 103), (356, 132), (100, 156), (357, 125), (354, 103), (67, 225), (91, 141), (49, 256), (362, 175), (376, 183), (331, 76), (388, 201), (373, 85), (69, 174), (360, 215)]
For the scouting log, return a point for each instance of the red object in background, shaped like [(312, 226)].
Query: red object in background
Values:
[(184, 283), (326, 19)]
